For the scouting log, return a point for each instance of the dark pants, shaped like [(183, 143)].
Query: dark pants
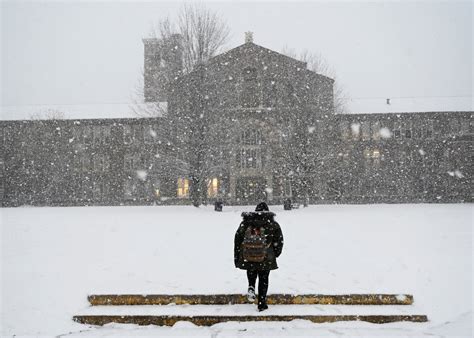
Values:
[(262, 283)]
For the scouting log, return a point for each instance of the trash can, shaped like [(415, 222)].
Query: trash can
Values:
[(218, 205), (287, 204)]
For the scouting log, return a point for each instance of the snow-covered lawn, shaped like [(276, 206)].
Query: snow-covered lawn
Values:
[(52, 258)]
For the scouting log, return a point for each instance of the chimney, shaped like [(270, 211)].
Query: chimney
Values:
[(248, 37)]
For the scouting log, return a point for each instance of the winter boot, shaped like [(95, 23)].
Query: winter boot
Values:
[(251, 294), (262, 305)]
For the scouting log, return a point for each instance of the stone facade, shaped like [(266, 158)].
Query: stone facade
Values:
[(242, 107), (250, 125)]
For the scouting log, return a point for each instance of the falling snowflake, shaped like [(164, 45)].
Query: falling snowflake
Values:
[(355, 127), (142, 175), (385, 133)]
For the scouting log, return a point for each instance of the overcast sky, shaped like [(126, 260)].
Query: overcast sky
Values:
[(74, 52)]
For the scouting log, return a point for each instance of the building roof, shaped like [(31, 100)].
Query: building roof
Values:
[(408, 104), (83, 111)]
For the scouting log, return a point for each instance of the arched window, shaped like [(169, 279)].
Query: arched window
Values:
[(250, 95)]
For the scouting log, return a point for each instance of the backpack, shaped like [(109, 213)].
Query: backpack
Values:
[(254, 246)]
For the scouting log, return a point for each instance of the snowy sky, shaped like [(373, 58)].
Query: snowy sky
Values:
[(91, 53)]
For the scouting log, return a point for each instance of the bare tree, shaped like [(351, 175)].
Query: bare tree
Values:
[(48, 114), (318, 64), (203, 34), (200, 34)]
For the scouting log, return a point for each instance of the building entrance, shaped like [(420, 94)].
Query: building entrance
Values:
[(251, 189)]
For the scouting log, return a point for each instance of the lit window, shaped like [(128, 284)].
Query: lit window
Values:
[(156, 188), (372, 156), (212, 187), (183, 187)]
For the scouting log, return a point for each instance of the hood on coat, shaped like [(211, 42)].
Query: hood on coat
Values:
[(258, 215)]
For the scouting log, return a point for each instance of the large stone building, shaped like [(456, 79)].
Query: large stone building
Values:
[(251, 124)]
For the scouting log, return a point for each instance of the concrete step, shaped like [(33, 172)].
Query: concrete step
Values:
[(211, 320), (223, 299), (206, 315)]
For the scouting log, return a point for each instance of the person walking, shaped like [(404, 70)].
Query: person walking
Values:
[(257, 244)]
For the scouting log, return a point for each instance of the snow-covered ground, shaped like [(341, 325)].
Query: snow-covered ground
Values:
[(52, 258)]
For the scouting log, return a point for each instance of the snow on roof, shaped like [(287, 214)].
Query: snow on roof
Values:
[(408, 104), (84, 111)]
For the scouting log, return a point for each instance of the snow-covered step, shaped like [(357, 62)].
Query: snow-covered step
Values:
[(249, 310), (206, 315), (212, 320), (222, 299)]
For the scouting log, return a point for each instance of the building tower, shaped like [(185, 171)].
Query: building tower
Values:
[(162, 65)]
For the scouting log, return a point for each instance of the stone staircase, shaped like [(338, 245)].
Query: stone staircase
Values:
[(207, 310)]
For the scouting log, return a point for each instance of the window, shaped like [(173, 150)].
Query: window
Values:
[(129, 189), (248, 158), (428, 129), (127, 134), (376, 130), (355, 128), (97, 190), (128, 162), (454, 126), (465, 126), (397, 127), (271, 91), (376, 156), (156, 188), (408, 133), (367, 154), (417, 133), (183, 187), (138, 134), (251, 137), (77, 134), (102, 134), (365, 126), (250, 95), (372, 156), (150, 134), (87, 134), (86, 164), (97, 134), (98, 163), (345, 133), (212, 187)]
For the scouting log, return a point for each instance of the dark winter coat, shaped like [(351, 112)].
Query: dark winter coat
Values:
[(272, 233)]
